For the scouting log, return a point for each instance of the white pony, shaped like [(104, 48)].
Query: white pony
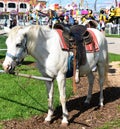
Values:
[(44, 45)]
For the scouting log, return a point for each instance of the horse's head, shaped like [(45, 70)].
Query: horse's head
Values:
[(16, 49)]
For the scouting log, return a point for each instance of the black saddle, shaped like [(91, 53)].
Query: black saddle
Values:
[(74, 35)]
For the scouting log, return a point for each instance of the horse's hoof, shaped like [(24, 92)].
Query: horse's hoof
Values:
[(101, 106), (77, 81)]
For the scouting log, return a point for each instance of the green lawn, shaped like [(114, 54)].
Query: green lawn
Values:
[(114, 57), (113, 35), (113, 124)]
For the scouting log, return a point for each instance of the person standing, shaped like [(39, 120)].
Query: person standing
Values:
[(102, 20)]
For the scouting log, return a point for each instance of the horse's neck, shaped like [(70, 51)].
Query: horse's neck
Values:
[(40, 44)]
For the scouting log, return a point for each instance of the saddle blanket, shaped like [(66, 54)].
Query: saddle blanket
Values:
[(62, 42), (93, 46)]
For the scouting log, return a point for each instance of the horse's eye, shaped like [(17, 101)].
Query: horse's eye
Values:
[(18, 45)]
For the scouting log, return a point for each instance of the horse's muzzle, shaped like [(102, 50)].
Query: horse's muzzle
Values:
[(9, 68)]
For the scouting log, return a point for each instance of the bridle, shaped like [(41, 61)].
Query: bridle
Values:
[(18, 56)]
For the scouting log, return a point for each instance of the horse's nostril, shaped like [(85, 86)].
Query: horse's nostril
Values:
[(9, 66), (6, 67)]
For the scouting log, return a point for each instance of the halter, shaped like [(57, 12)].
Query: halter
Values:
[(19, 55)]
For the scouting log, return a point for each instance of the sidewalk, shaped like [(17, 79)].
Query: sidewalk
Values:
[(113, 45)]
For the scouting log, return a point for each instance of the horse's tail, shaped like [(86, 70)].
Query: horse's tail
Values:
[(106, 64)]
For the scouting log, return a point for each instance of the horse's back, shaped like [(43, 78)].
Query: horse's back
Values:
[(101, 39), (99, 35)]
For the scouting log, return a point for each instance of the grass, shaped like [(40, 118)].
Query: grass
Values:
[(2, 46), (114, 124), (22, 97), (114, 57), (112, 35)]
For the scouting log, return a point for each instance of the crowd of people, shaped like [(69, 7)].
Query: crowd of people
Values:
[(52, 16), (67, 17)]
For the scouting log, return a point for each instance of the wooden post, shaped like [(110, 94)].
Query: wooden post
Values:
[(74, 70)]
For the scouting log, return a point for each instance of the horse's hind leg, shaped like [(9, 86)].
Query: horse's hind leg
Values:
[(91, 81), (49, 86), (101, 71)]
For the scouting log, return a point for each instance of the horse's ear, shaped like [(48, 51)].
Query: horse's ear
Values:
[(7, 29)]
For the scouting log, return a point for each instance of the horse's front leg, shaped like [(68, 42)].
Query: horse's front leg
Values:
[(91, 81), (61, 79), (50, 101)]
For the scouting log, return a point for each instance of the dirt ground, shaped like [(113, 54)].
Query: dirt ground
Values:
[(81, 117)]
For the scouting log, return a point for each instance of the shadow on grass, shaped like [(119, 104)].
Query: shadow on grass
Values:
[(2, 56), (28, 63), (22, 104)]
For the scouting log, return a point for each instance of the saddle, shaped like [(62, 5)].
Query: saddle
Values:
[(76, 35), (87, 38)]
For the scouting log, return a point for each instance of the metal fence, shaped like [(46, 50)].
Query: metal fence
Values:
[(112, 28)]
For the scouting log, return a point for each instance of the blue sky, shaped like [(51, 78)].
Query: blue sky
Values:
[(89, 3)]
